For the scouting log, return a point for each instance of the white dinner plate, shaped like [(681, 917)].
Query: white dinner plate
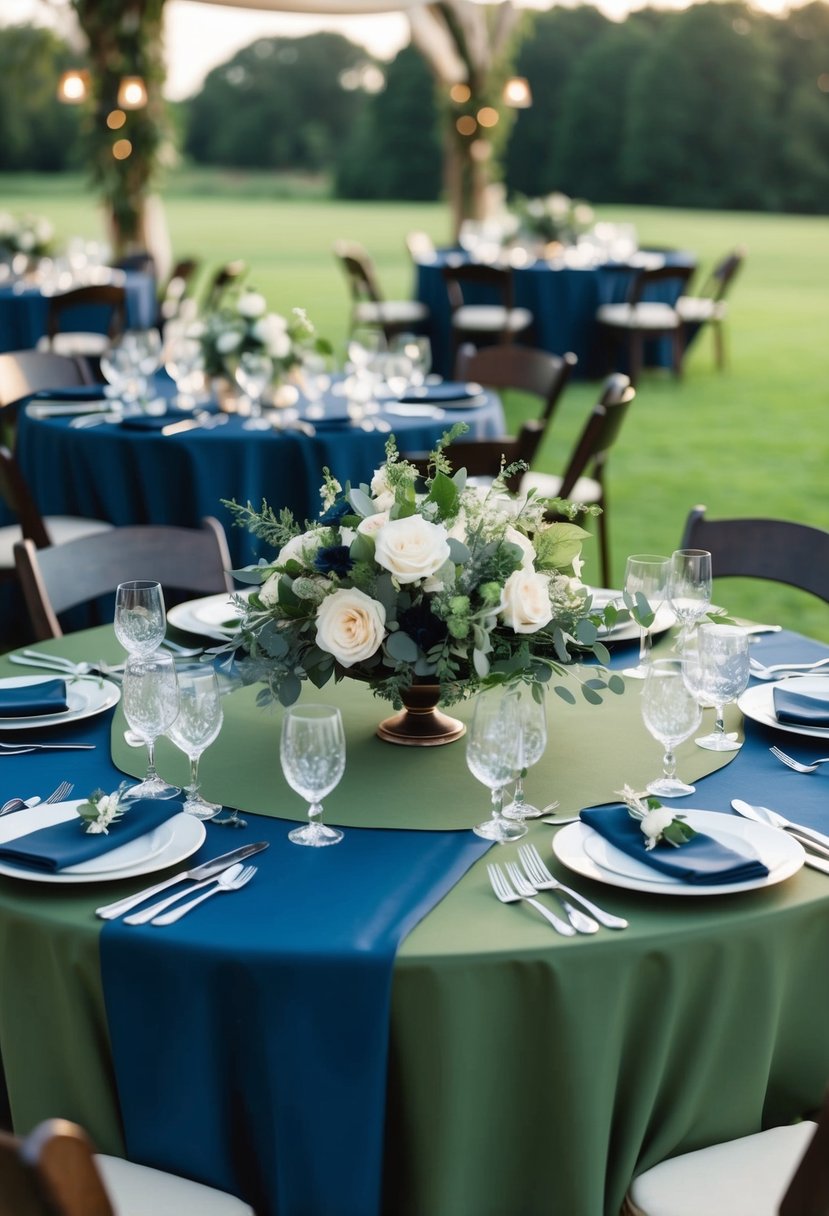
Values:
[(628, 631), (85, 697), (758, 703), (206, 616), (64, 409), (165, 846), (587, 853)]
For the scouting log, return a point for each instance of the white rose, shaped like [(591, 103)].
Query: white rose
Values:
[(350, 625), (654, 824), (384, 502), (300, 548), (269, 591), (411, 548), (380, 481), (524, 544), (372, 524), (251, 304), (228, 341), (272, 332), (525, 601)]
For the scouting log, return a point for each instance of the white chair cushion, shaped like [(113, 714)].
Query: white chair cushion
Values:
[(649, 314), (395, 312), (60, 528), (491, 318), (699, 309), (137, 1190), (80, 343), (746, 1177), (548, 485)]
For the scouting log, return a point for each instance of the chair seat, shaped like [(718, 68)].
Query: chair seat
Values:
[(60, 528), (394, 312), (647, 315), (137, 1190), (745, 1177), (491, 318), (548, 485), (79, 343), (699, 309)]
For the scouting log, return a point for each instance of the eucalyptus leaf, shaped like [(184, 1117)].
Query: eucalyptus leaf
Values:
[(289, 689), (481, 663), (590, 695), (566, 694), (361, 503), (459, 554), (401, 647)]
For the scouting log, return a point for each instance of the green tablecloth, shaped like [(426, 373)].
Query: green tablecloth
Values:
[(529, 1074)]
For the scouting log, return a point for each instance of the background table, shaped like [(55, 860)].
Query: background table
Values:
[(23, 312), (527, 1073), (127, 476), (563, 301)]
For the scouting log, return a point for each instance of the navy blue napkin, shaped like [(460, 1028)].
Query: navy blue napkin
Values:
[(53, 848), (800, 708), (29, 700), (702, 861), (72, 392), (150, 422), (447, 390)]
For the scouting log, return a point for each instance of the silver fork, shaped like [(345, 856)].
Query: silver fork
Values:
[(225, 882), (60, 792), (777, 671), (579, 920), (540, 877), (507, 895), (796, 764)]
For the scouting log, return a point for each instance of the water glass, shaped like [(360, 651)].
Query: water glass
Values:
[(689, 589), (151, 703), (196, 727), (493, 755), (671, 714), (140, 617), (312, 752), (253, 374), (718, 671), (532, 717), (646, 574)]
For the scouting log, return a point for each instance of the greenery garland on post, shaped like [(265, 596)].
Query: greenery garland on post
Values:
[(124, 39)]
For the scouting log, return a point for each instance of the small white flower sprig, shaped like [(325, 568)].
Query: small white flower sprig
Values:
[(100, 811), (658, 822)]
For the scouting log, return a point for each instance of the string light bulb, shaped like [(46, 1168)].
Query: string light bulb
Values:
[(132, 93), (517, 93), (73, 86)]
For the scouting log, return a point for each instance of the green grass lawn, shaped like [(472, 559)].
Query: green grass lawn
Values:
[(752, 440)]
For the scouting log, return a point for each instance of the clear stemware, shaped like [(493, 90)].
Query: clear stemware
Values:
[(717, 670), (197, 725), (312, 752), (689, 589), (532, 717), (646, 574), (151, 703), (493, 754), (140, 618), (671, 714), (184, 363), (253, 374)]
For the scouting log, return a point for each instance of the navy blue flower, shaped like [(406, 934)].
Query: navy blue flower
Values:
[(339, 508), (422, 625), (336, 559)]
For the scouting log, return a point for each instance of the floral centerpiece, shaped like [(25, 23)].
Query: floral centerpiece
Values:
[(554, 217), (31, 235), (453, 589), (244, 323)]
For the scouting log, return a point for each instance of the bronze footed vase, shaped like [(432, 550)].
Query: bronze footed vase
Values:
[(421, 723)]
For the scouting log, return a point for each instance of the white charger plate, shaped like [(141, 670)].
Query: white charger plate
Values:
[(85, 696), (758, 703), (166, 845), (587, 853), (206, 616)]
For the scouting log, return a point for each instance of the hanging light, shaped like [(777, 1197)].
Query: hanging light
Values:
[(517, 93), (73, 86), (132, 93)]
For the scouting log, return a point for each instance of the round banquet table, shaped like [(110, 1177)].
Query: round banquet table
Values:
[(563, 300), (133, 476), (527, 1073), (23, 310)]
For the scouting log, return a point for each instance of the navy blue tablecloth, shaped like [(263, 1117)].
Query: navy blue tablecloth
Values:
[(23, 313)]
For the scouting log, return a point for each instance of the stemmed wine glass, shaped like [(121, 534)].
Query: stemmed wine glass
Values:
[(418, 350), (151, 703), (689, 589), (312, 751), (184, 363), (197, 725), (140, 617), (532, 718), (646, 574), (253, 374), (493, 754), (671, 713), (717, 671)]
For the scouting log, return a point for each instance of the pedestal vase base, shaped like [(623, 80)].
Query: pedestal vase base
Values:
[(420, 723)]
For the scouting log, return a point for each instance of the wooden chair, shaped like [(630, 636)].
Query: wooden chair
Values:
[(24, 372), (495, 321), (369, 305), (195, 560), (58, 338), (55, 1171), (583, 478), (774, 549), (783, 1171), (642, 319), (420, 247), (228, 275), (175, 290), (708, 305)]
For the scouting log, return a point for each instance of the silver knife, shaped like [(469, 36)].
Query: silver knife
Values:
[(206, 870)]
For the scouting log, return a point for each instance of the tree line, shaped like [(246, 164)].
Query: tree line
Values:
[(717, 105)]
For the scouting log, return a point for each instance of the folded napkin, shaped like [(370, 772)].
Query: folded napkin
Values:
[(447, 390), (703, 861), (73, 392), (800, 708), (29, 700), (53, 848), (150, 422)]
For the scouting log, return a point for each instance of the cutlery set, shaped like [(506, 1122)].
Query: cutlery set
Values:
[(525, 882), (56, 663)]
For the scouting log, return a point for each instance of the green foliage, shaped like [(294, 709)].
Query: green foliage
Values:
[(35, 131)]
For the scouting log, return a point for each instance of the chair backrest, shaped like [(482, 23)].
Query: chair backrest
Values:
[(494, 281), (108, 295), (80, 571), (482, 458), (23, 372), (774, 549), (808, 1191), (52, 1172), (420, 246), (175, 289), (15, 492), (522, 368), (723, 275), (599, 434), (647, 278), (226, 276), (141, 261), (359, 271)]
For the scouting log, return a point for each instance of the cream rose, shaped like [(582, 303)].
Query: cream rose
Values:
[(272, 332), (299, 549), (251, 304), (411, 548), (525, 601), (372, 524), (350, 625), (269, 591), (524, 544)]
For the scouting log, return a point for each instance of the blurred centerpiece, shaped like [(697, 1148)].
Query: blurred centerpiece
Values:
[(554, 219), (428, 597), (25, 238)]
